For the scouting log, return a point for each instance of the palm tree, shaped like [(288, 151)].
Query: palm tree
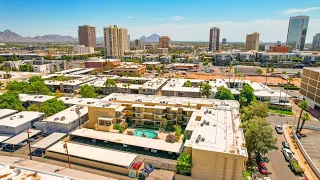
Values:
[(283, 73), (267, 71), (110, 83), (128, 86), (1, 84), (289, 80), (305, 117), (125, 88), (259, 71), (304, 105), (239, 75)]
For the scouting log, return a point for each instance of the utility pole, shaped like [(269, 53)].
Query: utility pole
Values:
[(29, 144), (78, 113), (66, 148)]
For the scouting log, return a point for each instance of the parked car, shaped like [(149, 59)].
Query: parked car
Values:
[(287, 153), (148, 168), (260, 158), (262, 168), (279, 129), (285, 144)]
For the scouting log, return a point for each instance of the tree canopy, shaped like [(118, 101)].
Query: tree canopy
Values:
[(205, 89), (224, 94), (2, 59), (184, 164), (88, 91), (259, 136), (188, 83), (256, 108), (247, 92), (35, 85), (52, 106), (26, 68), (11, 100)]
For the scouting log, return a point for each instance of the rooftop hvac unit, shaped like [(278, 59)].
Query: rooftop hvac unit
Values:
[(201, 124), (21, 116), (56, 119), (11, 118), (197, 140), (40, 96), (62, 118), (67, 98), (210, 112), (207, 123), (204, 121), (203, 139)]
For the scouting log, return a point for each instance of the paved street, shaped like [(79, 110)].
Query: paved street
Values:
[(277, 165)]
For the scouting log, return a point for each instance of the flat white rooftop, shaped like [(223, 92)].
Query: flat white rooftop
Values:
[(69, 70), (21, 137), (82, 71), (34, 97), (95, 154), (129, 140), (67, 116), (49, 140), (78, 101), (6, 112), (20, 118), (4, 137)]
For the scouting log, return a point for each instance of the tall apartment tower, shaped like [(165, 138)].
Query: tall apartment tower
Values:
[(115, 41), (214, 38), (87, 36), (316, 42), (252, 41), (297, 32), (224, 40), (164, 42)]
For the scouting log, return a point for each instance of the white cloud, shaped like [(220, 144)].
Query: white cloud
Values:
[(294, 11), (178, 18), (130, 17), (270, 30)]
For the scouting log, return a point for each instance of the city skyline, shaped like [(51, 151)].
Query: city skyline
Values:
[(272, 23)]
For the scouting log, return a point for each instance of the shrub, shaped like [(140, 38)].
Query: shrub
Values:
[(156, 137), (118, 127), (293, 141), (125, 125), (129, 132), (171, 138), (290, 127), (291, 87)]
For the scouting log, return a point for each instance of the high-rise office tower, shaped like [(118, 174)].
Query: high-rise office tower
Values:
[(252, 41), (164, 42), (214, 38), (115, 41), (87, 36), (316, 42), (224, 40), (297, 32), (137, 42)]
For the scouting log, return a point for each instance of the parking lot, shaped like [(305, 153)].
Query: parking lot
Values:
[(311, 144)]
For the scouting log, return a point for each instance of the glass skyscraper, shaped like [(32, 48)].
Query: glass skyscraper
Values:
[(297, 32)]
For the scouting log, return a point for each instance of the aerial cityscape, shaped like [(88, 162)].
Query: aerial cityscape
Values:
[(168, 90)]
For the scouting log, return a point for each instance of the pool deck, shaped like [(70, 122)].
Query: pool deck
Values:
[(161, 135)]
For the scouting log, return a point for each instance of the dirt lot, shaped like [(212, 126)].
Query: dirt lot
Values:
[(262, 79)]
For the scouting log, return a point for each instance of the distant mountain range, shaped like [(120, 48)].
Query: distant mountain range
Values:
[(151, 38), (9, 36)]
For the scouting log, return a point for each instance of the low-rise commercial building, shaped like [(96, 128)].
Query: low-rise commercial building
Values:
[(81, 49), (6, 112), (19, 122), (184, 66), (30, 99), (68, 86), (310, 86), (100, 62), (129, 68), (152, 65), (64, 121), (278, 48)]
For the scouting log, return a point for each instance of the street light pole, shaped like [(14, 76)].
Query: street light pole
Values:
[(29, 144), (66, 148)]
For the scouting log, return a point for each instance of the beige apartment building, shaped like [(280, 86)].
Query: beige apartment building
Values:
[(87, 36), (164, 42), (252, 41), (310, 86), (116, 41)]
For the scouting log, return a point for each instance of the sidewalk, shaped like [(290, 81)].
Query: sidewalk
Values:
[(298, 155)]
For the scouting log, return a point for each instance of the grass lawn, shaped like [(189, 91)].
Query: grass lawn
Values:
[(281, 111)]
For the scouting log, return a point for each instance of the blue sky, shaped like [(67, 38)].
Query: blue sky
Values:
[(180, 19)]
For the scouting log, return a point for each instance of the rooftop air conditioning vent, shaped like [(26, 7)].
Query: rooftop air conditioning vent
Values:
[(67, 98), (56, 119), (11, 118), (62, 118), (210, 112), (207, 123), (204, 121), (40, 96), (201, 124), (197, 140), (203, 139), (21, 116)]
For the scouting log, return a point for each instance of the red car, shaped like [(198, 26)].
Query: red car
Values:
[(262, 168), (137, 165)]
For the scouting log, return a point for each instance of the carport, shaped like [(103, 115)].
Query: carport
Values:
[(40, 147), (19, 140), (4, 137)]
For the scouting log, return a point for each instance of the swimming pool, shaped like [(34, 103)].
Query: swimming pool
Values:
[(147, 133)]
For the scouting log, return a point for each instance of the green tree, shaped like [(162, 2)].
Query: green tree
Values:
[(26, 68), (158, 70), (163, 68), (305, 117), (184, 164), (1, 84), (178, 130), (289, 80), (267, 72), (304, 105), (35, 79), (38, 87), (11, 100), (33, 107), (110, 85), (188, 84), (14, 57), (200, 88), (2, 59), (224, 94), (52, 106), (163, 124), (247, 92), (259, 136), (256, 108), (88, 91), (259, 71), (206, 89), (298, 74), (22, 87)]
